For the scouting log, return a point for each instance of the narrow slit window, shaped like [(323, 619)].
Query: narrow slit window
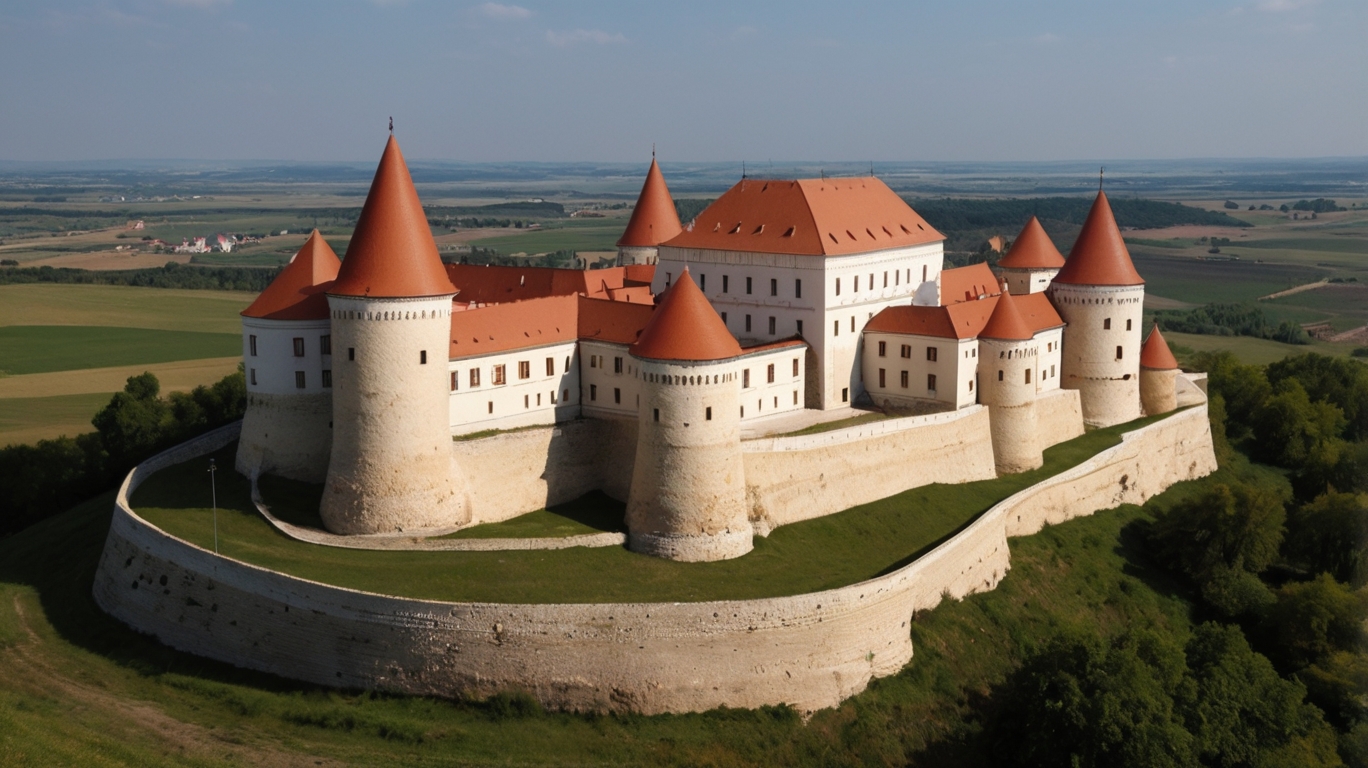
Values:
[(298, 347)]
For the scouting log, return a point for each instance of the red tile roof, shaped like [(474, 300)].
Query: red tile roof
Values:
[(489, 284), (392, 254), (817, 217), (1038, 312), (1006, 323), (516, 325), (654, 219), (1099, 255), (1155, 354), (613, 321), (964, 320), (685, 327), (1032, 249), (968, 283), (299, 291)]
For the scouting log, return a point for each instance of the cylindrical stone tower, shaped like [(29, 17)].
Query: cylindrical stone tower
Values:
[(287, 360), (1008, 375), (688, 495), (654, 220), (1158, 370), (1032, 261), (391, 467), (1100, 296)]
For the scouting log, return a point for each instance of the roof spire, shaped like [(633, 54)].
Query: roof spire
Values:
[(391, 125), (654, 219), (653, 150), (1100, 170)]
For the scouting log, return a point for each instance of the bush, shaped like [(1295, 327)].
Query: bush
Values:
[(1224, 529), (1330, 535), (1312, 620)]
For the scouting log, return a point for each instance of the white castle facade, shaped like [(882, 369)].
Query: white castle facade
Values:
[(784, 303)]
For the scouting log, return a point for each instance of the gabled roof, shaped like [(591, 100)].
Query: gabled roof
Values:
[(1155, 354), (685, 327), (392, 254), (814, 217), (299, 291), (968, 283), (617, 322), (1006, 323), (654, 219), (1038, 312), (1099, 255), (1032, 249), (492, 284), (516, 325), (965, 320)]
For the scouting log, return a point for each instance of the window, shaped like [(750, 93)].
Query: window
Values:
[(905, 351), (769, 374), (931, 382), (251, 342), (883, 349), (655, 414), (999, 375), (838, 286), (351, 353), (325, 344), (593, 392), (498, 375), (593, 361), (1052, 371), (852, 323), (800, 327), (856, 289), (668, 277), (299, 379), (455, 381), (931, 353), (902, 380), (871, 281), (724, 318), (748, 286), (1106, 324), (798, 289), (1118, 351), (896, 277), (253, 377), (771, 325), (491, 406), (298, 347), (774, 287), (881, 379), (617, 365), (725, 280), (845, 394), (565, 395), (795, 367), (1128, 325), (745, 378), (707, 413), (702, 282), (923, 273), (795, 397), (971, 385), (1028, 375), (474, 377), (567, 363), (835, 327), (617, 395), (747, 323), (550, 366), (527, 401), (885, 280), (524, 369)]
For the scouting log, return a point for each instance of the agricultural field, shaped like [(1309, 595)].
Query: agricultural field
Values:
[(64, 349)]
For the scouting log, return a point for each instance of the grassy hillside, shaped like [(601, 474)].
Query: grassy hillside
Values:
[(41, 348)]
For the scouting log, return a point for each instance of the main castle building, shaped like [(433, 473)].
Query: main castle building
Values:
[(783, 304)]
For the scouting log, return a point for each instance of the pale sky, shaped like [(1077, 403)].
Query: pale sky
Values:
[(704, 81)]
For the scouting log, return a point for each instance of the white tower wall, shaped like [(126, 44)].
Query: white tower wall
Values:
[(1008, 372), (391, 465), (1101, 355), (1158, 390), (1023, 281), (287, 429), (633, 254), (688, 496)]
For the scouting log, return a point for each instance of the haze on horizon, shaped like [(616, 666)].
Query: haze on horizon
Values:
[(979, 80)]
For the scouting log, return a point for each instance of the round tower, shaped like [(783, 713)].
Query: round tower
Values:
[(688, 496), (287, 361), (1008, 375), (654, 220), (1100, 296), (1032, 261), (1158, 369), (391, 466)]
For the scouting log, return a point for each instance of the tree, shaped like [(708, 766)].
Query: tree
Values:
[(131, 425), (1243, 387), (1336, 380), (1313, 619), (1223, 529), (1289, 428), (1330, 535)]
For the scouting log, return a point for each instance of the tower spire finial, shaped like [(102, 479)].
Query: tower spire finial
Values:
[(391, 125), (653, 150), (1100, 170)]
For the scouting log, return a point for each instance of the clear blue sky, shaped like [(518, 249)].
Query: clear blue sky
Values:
[(705, 81)]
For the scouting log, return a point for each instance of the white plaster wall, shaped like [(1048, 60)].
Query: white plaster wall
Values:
[(762, 398), (541, 398), (1023, 281), (1110, 385), (1049, 343), (272, 369), (811, 651), (955, 368), (606, 390)]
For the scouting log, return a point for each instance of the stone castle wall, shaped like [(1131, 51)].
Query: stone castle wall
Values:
[(286, 435), (1059, 416), (811, 651)]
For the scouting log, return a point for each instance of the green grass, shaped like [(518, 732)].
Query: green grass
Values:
[(591, 513), (22, 416), (42, 348), (549, 239), (1090, 573), (123, 307), (1356, 245), (1203, 282), (813, 555)]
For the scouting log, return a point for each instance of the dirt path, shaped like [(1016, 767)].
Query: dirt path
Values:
[(1297, 289), (23, 665)]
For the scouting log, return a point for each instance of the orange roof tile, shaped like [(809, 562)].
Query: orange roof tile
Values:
[(516, 325), (490, 284), (1155, 354), (956, 321), (618, 322), (299, 291), (967, 283), (654, 219), (1032, 249), (1099, 255), (1006, 323), (685, 327), (1038, 312), (816, 217), (392, 254), (770, 346)]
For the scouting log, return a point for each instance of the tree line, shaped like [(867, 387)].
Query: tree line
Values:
[(1230, 320), (173, 275)]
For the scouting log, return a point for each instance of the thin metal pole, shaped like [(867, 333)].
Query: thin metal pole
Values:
[(213, 490)]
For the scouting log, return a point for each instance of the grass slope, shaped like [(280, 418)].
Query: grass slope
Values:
[(834, 551), (43, 348), (77, 687)]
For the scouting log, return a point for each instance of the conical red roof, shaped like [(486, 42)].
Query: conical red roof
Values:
[(1155, 354), (392, 254), (1099, 255), (685, 326), (1032, 249), (298, 292), (654, 220), (1006, 322)]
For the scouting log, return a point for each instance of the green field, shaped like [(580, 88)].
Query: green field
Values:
[(1204, 282), (597, 236), (122, 307), (41, 348), (25, 419), (833, 551)]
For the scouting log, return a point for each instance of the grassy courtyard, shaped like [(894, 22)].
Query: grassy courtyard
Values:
[(813, 555)]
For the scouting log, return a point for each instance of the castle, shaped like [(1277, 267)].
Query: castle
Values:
[(784, 303)]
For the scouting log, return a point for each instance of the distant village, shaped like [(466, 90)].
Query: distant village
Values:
[(224, 243)]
